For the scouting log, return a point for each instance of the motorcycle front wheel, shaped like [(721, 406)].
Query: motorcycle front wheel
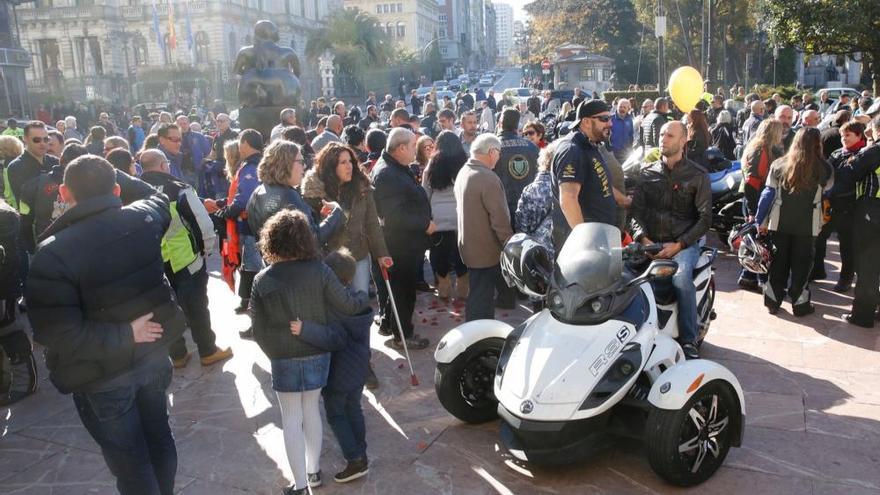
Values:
[(465, 386), (686, 446)]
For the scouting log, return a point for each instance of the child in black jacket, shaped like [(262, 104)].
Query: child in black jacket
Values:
[(348, 372)]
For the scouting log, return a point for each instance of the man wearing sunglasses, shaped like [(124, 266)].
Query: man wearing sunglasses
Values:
[(170, 143), (24, 171), (581, 180)]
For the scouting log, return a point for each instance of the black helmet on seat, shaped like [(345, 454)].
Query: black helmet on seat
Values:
[(527, 265)]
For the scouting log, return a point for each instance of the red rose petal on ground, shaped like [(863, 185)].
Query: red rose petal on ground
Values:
[(422, 445)]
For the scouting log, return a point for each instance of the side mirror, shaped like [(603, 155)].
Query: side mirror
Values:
[(662, 269), (658, 270)]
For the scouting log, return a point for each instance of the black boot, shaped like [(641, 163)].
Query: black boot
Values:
[(244, 291), (23, 368)]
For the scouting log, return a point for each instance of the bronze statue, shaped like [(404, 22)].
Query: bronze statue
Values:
[(269, 73)]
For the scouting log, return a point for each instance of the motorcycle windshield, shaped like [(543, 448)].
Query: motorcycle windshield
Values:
[(591, 258)]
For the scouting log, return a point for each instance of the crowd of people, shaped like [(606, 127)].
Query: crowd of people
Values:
[(107, 237)]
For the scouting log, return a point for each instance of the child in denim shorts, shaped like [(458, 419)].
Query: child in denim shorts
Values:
[(289, 303)]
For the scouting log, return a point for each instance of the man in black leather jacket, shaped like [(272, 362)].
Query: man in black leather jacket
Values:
[(673, 206)]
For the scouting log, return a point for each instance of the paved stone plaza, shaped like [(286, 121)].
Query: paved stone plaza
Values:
[(812, 391)]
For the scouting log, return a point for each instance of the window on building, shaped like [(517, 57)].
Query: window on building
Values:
[(384, 8), (232, 41), (302, 8), (201, 40), (378, 8), (139, 45), (442, 18), (287, 7), (389, 28), (317, 9), (401, 29), (442, 33), (588, 74), (444, 51), (50, 55), (400, 7)]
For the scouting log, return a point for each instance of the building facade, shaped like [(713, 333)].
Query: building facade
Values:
[(574, 67), (14, 62), (452, 31), (134, 50), (504, 32), (489, 20), (412, 24), (476, 35)]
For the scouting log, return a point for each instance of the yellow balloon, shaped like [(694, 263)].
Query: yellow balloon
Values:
[(686, 87)]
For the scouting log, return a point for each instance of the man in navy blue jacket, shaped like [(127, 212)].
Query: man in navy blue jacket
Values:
[(99, 301)]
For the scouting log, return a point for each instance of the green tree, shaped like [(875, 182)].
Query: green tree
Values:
[(605, 27), (829, 27), (356, 42)]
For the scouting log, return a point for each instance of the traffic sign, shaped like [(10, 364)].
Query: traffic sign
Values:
[(545, 64)]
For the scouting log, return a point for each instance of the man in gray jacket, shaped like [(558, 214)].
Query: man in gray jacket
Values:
[(485, 228), (330, 135)]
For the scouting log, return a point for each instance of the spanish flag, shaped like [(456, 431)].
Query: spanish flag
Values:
[(172, 36)]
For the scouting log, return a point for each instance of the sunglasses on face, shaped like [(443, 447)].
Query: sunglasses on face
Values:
[(38, 140), (530, 133), (602, 118)]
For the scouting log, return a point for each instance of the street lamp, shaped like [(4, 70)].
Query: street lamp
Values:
[(660, 32)]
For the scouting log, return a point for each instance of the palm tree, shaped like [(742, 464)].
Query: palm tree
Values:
[(355, 40)]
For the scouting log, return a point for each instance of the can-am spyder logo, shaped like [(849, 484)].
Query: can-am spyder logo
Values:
[(610, 350)]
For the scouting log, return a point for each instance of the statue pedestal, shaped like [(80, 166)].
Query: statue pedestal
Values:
[(263, 119)]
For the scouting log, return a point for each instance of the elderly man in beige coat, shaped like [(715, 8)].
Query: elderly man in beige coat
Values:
[(483, 225)]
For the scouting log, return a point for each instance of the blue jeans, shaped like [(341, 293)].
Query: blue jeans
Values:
[(686, 293), (346, 419), (251, 259), (130, 424), (481, 298), (361, 281)]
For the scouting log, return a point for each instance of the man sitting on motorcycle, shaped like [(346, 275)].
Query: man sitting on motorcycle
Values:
[(672, 205)]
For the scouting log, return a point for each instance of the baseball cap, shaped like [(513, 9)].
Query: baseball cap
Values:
[(588, 108)]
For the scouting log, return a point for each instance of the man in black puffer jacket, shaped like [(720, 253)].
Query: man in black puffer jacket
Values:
[(99, 301), (649, 133)]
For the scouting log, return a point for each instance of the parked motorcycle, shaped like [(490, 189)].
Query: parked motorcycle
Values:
[(600, 362)]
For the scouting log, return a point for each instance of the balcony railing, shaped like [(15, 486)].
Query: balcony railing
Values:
[(93, 12), (146, 11)]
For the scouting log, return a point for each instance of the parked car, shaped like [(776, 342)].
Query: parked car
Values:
[(521, 94), (442, 83), (422, 91), (486, 81)]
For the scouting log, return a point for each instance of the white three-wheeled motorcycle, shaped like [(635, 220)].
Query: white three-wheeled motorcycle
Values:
[(599, 362)]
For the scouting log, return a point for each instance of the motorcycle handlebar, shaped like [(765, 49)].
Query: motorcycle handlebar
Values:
[(637, 250)]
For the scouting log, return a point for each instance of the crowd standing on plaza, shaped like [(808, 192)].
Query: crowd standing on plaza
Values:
[(107, 229)]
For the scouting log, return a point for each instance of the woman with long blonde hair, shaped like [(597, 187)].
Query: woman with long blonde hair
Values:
[(764, 148), (790, 208)]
